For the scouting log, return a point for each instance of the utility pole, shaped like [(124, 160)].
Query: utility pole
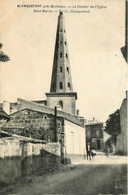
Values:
[(62, 142), (55, 123), (61, 135)]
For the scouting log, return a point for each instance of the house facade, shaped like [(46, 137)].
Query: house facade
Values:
[(94, 135), (121, 145)]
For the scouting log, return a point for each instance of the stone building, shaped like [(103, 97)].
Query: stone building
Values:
[(3, 115), (121, 145), (31, 123), (94, 134), (54, 119), (41, 122)]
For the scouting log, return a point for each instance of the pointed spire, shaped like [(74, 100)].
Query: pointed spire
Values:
[(61, 92), (61, 74)]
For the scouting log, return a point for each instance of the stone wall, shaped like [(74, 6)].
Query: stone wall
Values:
[(21, 104), (10, 147), (42, 159), (121, 145), (33, 124), (16, 146)]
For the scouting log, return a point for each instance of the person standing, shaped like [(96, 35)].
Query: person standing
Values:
[(88, 151), (107, 151)]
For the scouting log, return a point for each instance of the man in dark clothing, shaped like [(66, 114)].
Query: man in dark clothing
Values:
[(88, 151)]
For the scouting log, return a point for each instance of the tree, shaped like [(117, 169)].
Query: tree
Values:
[(113, 123), (3, 57)]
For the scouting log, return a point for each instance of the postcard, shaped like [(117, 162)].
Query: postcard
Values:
[(63, 96)]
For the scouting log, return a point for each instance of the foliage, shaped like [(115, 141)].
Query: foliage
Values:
[(36, 133), (3, 57), (113, 124)]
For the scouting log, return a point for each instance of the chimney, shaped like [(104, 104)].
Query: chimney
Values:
[(78, 112), (126, 94)]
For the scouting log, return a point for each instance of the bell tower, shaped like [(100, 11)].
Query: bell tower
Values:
[(61, 90)]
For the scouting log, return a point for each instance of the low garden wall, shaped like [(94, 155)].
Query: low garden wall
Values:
[(31, 159)]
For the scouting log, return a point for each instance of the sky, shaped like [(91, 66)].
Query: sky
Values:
[(94, 40)]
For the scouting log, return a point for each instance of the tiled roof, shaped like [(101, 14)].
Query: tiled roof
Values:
[(20, 138)]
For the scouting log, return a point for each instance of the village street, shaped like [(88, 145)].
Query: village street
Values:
[(61, 100), (100, 176)]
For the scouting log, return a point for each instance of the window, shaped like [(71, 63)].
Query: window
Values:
[(61, 104), (98, 144), (60, 68), (88, 133), (26, 112), (45, 117), (60, 42), (66, 55), (97, 133), (68, 69), (69, 86), (65, 43), (60, 55), (61, 85)]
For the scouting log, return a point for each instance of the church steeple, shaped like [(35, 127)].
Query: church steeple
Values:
[(61, 75), (61, 90)]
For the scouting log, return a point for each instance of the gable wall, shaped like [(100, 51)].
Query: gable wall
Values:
[(31, 124)]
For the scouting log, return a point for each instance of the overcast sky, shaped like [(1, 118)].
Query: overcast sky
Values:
[(94, 41)]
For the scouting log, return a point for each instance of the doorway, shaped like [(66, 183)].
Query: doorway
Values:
[(98, 144)]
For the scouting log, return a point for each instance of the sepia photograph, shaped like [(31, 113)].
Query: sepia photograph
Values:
[(63, 97)]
